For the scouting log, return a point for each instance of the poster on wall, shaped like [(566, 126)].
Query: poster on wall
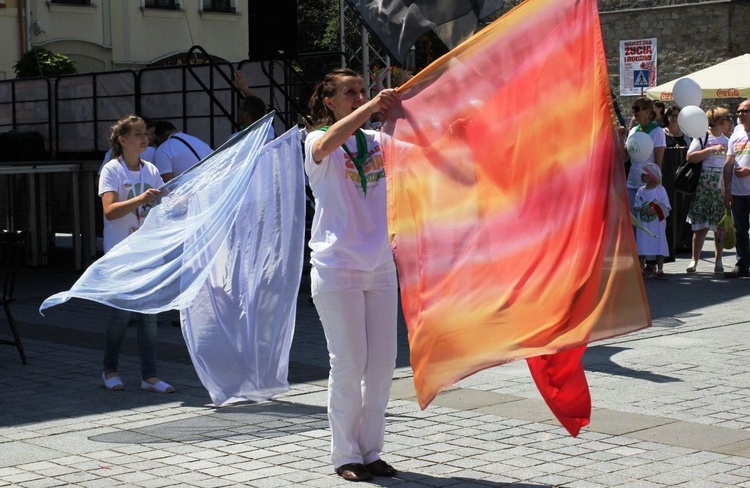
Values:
[(637, 66)]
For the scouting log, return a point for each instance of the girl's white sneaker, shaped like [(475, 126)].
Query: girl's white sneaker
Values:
[(113, 383)]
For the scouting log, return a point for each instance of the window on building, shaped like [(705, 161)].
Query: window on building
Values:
[(218, 6), (72, 2), (163, 4)]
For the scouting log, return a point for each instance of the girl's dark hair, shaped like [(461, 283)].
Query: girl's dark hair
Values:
[(664, 122), (122, 128), (322, 115)]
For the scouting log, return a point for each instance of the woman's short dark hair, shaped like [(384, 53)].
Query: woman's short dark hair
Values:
[(669, 112), (163, 126), (646, 104), (254, 106)]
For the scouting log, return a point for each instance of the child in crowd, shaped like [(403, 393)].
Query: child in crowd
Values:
[(652, 208), (127, 185)]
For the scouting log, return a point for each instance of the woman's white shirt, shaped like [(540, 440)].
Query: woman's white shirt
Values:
[(659, 139), (349, 229), (714, 160)]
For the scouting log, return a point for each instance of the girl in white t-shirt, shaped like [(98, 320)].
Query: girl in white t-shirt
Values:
[(127, 185), (353, 279)]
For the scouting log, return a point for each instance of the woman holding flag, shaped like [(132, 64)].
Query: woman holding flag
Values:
[(353, 278)]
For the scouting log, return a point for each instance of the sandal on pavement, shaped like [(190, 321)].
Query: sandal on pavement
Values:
[(719, 268), (661, 275), (354, 472), (381, 468), (159, 387), (112, 383), (692, 267)]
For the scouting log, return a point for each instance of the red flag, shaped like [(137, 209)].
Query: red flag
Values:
[(562, 382)]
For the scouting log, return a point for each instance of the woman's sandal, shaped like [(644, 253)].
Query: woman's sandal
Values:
[(354, 472), (661, 275), (693, 266), (159, 387), (381, 468)]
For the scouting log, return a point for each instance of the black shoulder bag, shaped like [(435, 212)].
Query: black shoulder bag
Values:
[(195, 153), (688, 174)]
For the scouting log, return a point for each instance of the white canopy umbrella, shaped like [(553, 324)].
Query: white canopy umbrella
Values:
[(729, 79)]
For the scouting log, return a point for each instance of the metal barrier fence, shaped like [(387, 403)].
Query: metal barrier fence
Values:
[(74, 113)]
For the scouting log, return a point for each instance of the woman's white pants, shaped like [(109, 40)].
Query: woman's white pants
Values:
[(358, 311)]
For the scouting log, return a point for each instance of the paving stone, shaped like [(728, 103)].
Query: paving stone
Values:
[(671, 404)]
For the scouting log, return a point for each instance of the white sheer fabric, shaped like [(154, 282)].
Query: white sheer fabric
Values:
[(224, 245)]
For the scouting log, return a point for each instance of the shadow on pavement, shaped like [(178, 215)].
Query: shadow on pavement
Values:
[(599, 359), (265, 420)]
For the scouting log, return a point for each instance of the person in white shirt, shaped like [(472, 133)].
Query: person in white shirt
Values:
[(707, 205), (127, 186), (251, 110), (353, 278), (737, 189), (177, 151)]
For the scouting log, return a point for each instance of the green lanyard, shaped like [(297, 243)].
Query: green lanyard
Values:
[(651, 126), (361, 155)]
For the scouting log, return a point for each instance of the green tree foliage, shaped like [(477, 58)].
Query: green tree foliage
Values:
[(318, 25), (40, 62)]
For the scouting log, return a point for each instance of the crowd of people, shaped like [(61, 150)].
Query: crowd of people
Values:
[(724, 155)]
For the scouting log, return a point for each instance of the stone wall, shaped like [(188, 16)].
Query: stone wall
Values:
[(691, 35)]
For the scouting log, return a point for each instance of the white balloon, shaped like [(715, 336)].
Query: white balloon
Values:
[(640, 147), (693, 121), (686, 92)]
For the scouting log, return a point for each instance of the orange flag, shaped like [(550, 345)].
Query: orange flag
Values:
[(507, 206)]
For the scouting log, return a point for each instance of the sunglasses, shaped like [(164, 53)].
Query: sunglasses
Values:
[(743, 111)]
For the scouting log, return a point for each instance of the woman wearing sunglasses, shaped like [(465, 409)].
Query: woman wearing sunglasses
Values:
[(672, 132), (707, 206), (644, 114)]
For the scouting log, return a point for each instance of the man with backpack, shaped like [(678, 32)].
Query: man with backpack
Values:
[(177, 151)]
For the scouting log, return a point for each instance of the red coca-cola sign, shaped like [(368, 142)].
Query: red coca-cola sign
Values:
[(666, 96), (728, 93)]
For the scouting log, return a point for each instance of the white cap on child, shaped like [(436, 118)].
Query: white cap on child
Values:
[(652, 170)]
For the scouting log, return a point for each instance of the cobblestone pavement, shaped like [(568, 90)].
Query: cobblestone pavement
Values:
[(671, 407)]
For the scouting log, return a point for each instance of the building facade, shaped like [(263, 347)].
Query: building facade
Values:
[(106, 35)]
